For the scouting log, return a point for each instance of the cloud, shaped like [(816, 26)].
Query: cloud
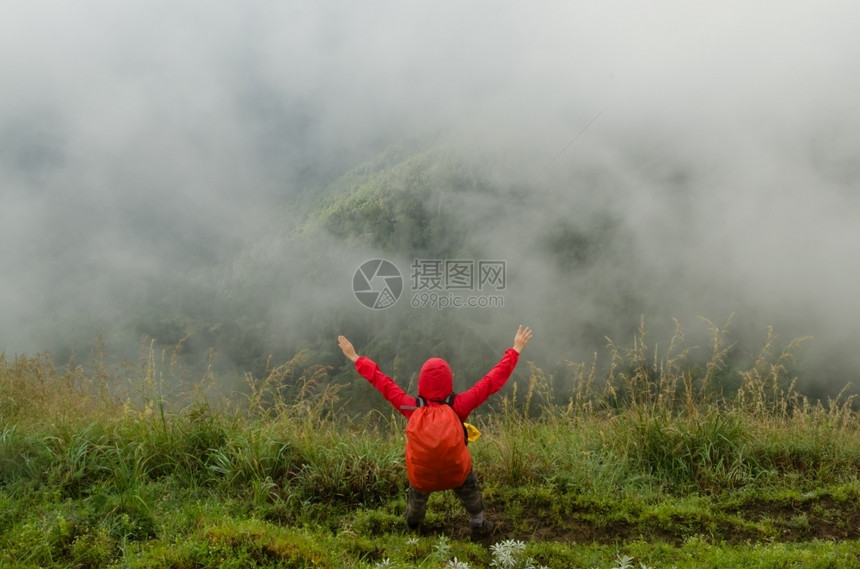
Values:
[(152, 141)]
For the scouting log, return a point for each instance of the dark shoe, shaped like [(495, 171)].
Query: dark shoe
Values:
[(484, 530)]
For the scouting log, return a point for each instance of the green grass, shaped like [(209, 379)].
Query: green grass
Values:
[(648, 463)]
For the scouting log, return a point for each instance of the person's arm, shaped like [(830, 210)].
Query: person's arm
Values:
[(472, 398), (368, 369)]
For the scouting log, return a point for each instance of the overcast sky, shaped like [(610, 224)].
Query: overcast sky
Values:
[(145, 138)]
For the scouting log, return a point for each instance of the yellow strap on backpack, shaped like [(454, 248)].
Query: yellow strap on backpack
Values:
[(472, 432)]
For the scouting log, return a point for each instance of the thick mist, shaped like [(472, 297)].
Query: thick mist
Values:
[(159, 147)]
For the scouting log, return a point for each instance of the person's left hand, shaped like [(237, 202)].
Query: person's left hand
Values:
[(347, 348)]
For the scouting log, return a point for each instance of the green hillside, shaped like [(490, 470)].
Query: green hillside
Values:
[(648, 464), (571, 272)]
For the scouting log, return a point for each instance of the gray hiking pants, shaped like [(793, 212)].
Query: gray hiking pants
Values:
[(469, 494)]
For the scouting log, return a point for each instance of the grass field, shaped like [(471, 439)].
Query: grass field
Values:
[(649, 463)]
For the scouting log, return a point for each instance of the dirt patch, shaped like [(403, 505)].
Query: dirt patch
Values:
[(821, 517), (758, 520)]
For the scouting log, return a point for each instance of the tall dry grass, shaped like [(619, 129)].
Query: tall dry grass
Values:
[(651, 415), (655, 414)]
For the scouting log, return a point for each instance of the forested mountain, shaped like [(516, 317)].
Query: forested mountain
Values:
[(292, 290), (586, 259)]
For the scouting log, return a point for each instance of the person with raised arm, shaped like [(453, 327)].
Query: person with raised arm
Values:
[(436, 454)]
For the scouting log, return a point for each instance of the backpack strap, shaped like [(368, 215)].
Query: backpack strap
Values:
[(419, 402), (449, 401)]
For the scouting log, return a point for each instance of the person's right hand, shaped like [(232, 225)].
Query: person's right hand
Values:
[(522, 337)]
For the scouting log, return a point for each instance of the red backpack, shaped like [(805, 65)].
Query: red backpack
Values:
[(436, 454)]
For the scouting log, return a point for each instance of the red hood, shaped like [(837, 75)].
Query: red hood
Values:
[(435, 381)]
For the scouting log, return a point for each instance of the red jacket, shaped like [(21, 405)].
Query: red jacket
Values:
[(436, 382)]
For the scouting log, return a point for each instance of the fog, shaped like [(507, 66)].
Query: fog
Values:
[(156, 143)]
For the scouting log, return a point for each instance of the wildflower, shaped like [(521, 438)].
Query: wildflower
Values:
[(456, 564), (442, 550), (507, 553)]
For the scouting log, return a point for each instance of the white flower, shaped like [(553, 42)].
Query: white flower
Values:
[(455, 564), (442, 550), (507, 553)]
